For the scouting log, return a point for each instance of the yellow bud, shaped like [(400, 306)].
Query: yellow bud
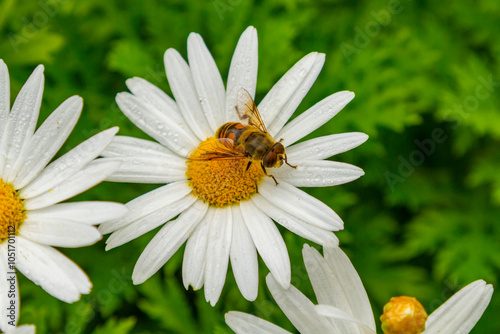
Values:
[(403, 315)]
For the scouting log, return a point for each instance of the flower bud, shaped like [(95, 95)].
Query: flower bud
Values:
[(403, 315)]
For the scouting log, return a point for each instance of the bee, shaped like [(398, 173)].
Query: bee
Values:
[(248, 139)]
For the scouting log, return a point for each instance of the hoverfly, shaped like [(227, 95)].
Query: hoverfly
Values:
[(248, 139)]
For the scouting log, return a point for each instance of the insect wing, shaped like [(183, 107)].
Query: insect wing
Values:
[(222, 149), (247, 110)]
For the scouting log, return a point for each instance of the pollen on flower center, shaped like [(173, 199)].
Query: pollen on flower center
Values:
[(11, 210), (403, 315), (219, 179)]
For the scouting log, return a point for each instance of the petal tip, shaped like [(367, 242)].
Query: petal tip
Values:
[(250, 33), (306, 247), (171, 53), (320, 57), (39, 68), (363, 137), (194, 36), (137, 279), (121, 96), (114, 130), (77, 100), (132, 82)]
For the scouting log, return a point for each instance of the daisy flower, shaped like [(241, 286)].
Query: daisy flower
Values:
[(31, 220), (225, 207), (344, 306)]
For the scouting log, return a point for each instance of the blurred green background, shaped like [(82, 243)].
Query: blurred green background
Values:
[(423, 221)]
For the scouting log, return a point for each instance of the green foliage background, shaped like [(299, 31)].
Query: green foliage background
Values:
[(420, 224)]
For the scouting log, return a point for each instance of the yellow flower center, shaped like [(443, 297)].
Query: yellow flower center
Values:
[(11, 210), (219, 179), (403, 315)]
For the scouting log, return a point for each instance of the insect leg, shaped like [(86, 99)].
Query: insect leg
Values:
[(286, 161), (248, 166), (265, 172)]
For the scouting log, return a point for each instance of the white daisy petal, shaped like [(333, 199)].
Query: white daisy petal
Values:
[(314, 117), (59, 232), (242, 323), (4, 95), (24, 329), (328, 289), (478, 311), (147, 204), (242, 71), (294, 224), (338, 314), (182, 85), (286, 95), (92, 174), (4, 111), (149, 222), (167, 241), (149, 170), (158, 125), (8, 282), (268, 241), (208, 81), (325, 147), (318, 173), (244, 257), (123, 146), (298, 308), (22, 120), (345, 277), (217, 256), (300, 204), (85, 212), (46, 141), (156, 99), (53, 271), (462, 311), (71, 270), (67, 165), (193, 263)]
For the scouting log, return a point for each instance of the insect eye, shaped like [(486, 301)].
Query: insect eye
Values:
[(270, 159)]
